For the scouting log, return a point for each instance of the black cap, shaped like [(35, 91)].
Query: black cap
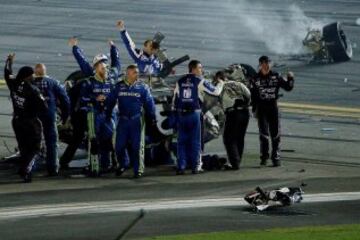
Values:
[(264, 59), (24, 73)]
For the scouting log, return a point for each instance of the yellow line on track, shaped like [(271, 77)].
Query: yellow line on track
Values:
[(303, 108), (320, 110)]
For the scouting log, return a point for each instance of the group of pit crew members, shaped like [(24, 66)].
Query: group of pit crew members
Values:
[(109, 101)]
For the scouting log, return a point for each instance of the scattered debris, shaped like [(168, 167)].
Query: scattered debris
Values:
[(328, 129), (286, 196)]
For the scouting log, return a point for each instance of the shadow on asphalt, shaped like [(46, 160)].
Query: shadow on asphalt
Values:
[(275, 211)]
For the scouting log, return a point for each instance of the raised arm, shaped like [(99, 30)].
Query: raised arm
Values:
[(287, 83), (115, 58), (129, 43), (84, 65), (8, 71)]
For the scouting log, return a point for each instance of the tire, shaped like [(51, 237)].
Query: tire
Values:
[(339, 47), (76, 75)]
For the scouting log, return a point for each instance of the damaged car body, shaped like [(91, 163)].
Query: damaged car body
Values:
[(328, 44)]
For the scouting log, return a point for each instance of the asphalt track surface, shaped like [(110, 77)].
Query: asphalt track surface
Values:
[(183, 221), (212, 32)]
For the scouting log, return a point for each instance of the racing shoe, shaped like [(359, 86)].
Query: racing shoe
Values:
[(197, 171), (276, 163), (64, 167), (53, 173), (27, 177), (138, 175), (180, 172), (263, 163), (228, 167), (119, 171)]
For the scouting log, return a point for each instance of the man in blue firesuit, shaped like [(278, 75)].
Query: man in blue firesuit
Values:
[(188, 97), (145, 59), (135, 105), (78, 118), (54, 93), (93, 94)]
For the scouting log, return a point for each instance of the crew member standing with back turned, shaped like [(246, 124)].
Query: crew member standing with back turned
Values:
[(235, 100), (187, 104), (53, 93)]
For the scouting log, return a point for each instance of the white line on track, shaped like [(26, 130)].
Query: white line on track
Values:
[(151, 205)]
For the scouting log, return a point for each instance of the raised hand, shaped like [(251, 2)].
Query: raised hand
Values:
[(73, 41), (120, 25)]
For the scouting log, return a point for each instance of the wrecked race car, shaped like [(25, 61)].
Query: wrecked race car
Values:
[(282, 197), (328, 44)]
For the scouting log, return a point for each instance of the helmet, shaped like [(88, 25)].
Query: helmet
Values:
[(100, 58)]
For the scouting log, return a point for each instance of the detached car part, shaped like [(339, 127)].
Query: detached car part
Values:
[(329, 44), (282, 197)]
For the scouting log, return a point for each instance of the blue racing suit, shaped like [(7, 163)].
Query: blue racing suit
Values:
[(188, 95), (132, 100), (147, 64), (53, 92), (93, 94)]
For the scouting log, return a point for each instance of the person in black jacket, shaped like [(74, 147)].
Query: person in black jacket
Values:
[(264, 94), (28, 103)]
